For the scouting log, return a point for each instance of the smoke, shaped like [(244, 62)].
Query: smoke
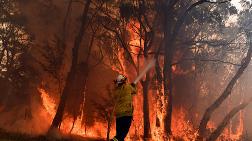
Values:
[(25, 118), (194, 97), (24, 112)]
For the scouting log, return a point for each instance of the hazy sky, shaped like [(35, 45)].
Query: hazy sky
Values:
[(236, 3)]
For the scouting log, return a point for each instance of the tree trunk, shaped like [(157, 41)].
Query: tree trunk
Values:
[(109, 126), (170, 35), (71, 76), (74, 120), (59, 114), (145, 85), (168, 93), (167, 73)]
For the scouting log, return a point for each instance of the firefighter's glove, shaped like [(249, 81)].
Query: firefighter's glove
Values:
[(133, 85)]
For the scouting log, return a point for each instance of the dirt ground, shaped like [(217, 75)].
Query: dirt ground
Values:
[(7, 136)]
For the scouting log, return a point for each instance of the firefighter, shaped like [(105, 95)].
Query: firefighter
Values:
[(123, 106)]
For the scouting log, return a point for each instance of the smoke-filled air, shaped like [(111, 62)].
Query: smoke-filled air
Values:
[(125, 70)]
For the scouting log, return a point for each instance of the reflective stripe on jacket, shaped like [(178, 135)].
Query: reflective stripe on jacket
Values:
[(124, 103)]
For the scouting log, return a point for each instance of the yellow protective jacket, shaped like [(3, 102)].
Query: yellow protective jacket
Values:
[(123, 100)]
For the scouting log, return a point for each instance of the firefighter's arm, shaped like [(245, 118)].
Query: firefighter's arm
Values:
[(134, 88)]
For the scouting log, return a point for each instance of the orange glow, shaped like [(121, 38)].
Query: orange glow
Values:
[(97, 130), (176, 69), (182, 127), (136, 43), (237, 134), (48, 103), (121, 68)]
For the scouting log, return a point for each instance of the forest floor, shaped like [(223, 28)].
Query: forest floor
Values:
[(7, 136)]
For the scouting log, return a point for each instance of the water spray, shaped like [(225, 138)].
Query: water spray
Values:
[(150, 64)]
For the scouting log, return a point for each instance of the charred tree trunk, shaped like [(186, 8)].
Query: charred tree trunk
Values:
[(159, 88), (226, 120), (147, 44), (109, 120), (108, 130), (75, 103), (168, 91), (59, 114), (71, 76), (145, 85), (170, 35), (74, 120), (167, 72), (209, 111)]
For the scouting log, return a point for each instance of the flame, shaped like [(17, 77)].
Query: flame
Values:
[(237, 133), (182, 128), (136, 43), (48, 103), (97, 130), (240, 128)]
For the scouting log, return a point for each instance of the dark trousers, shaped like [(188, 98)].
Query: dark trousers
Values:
[(122, 127)]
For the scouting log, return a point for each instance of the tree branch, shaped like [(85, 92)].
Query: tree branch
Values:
[(217, 2), (205, 60), (226, 120), (123, 44)]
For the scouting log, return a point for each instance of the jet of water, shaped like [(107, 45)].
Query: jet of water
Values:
[(150, 64)]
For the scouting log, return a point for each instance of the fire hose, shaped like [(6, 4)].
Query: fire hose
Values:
[(149, 65)]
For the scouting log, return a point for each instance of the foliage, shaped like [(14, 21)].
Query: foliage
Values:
[(15, 42)]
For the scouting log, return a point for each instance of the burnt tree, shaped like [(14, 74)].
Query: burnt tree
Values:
[(173, 19), (15, 65), (75, 68), (105, 109), (138, 11)]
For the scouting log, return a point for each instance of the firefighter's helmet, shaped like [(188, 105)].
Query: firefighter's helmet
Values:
[(120, 79)]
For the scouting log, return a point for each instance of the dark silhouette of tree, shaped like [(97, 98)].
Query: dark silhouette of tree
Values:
[(228, 91), (15, 55), (105, 107), (136, 11), (173, 19), (75, 68)]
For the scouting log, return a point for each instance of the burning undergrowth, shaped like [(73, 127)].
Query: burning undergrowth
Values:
[(25, 118), (128, 49)]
